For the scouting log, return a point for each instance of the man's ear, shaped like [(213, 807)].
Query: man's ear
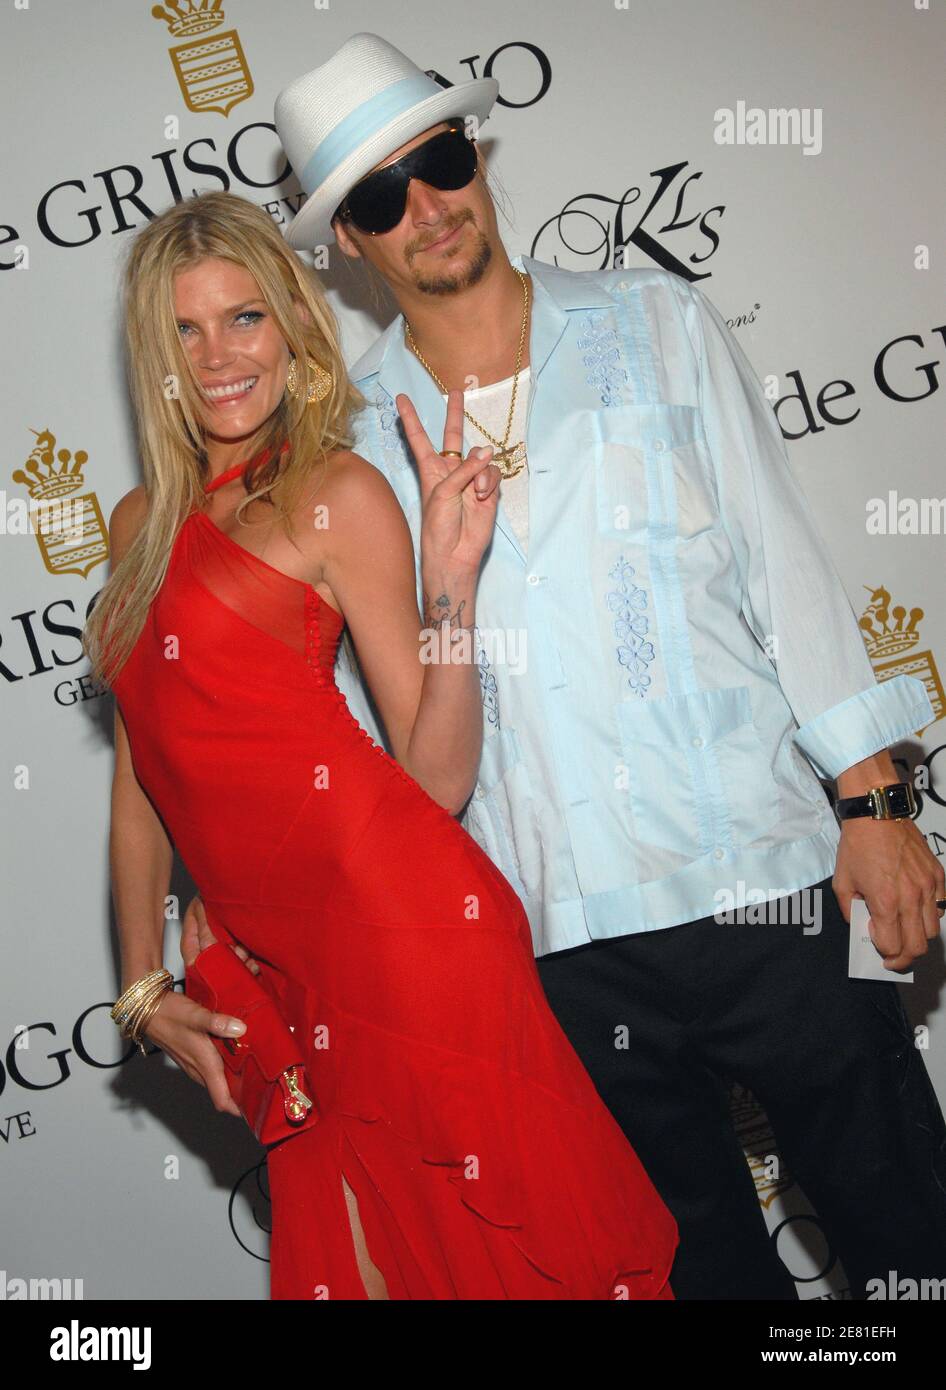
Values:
[(347, 244)]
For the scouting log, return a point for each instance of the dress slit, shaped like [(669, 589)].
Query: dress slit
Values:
[(355, 1215)]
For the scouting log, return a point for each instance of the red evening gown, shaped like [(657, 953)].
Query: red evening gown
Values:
[(483, 1160)]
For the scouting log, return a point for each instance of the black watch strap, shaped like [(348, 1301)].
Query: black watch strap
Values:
[(892, 802)]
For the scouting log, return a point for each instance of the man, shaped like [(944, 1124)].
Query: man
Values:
[(678, 660)]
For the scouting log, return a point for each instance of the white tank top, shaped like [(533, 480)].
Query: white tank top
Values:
[(491, 405)]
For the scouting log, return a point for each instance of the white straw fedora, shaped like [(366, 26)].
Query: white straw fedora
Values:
[(341, 119)]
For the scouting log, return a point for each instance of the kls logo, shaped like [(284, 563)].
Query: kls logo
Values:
[(605, 226)]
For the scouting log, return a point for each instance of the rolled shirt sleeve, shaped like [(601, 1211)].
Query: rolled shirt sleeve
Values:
[(792, 591)]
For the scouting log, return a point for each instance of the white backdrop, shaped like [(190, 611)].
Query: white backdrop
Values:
[(115, 1169)]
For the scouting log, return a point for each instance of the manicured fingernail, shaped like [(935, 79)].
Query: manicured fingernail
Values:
[(235, 1026)]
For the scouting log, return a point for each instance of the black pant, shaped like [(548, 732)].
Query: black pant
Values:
[(831, 1060)]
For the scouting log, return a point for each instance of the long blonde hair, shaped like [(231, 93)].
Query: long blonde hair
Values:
[(167, 396)]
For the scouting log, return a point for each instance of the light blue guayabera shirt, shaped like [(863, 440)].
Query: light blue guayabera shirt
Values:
[(689, 652)]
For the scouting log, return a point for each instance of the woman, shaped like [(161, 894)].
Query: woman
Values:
[(460, 1140)]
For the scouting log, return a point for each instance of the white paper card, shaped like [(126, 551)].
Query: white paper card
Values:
[(864, 960)]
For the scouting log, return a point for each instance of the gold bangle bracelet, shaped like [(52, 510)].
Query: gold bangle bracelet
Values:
[(141, 1002), (139, 1008), (145, 1015), (135, 1005), (128, 996)]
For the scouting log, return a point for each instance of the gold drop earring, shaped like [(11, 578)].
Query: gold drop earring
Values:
[(320, 381)]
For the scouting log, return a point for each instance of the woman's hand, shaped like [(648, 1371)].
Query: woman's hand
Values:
[(196, 936), (181, 1027), (459, 496)]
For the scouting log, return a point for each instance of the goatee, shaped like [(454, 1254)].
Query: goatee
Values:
[(465, 276)]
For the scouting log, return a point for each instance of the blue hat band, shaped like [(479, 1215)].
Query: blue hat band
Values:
[(360, 124)]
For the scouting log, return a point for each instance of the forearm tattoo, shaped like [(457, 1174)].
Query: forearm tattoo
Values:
[(437, 611)]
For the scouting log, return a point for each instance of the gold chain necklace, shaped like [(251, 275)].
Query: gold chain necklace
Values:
[(509, 461)]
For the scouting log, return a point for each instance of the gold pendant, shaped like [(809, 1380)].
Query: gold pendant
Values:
[(510, 461)]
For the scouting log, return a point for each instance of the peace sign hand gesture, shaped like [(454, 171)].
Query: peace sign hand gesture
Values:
[(459, 496)]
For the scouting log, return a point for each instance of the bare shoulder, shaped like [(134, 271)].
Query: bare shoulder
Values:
[(358, 495), (353, 478), (126, 520)]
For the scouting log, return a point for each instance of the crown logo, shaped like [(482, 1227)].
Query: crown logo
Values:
[(71, 535), (885, 638), (211, 71), (185, 18), (43, 478), (890, 632)]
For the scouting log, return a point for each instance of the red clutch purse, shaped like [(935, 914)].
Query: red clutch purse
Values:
[(264, 1065)]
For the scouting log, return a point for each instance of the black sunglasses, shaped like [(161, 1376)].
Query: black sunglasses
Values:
[(376, 204)]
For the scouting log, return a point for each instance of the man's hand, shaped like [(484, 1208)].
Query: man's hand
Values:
[(889, 864), (196, 936)]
